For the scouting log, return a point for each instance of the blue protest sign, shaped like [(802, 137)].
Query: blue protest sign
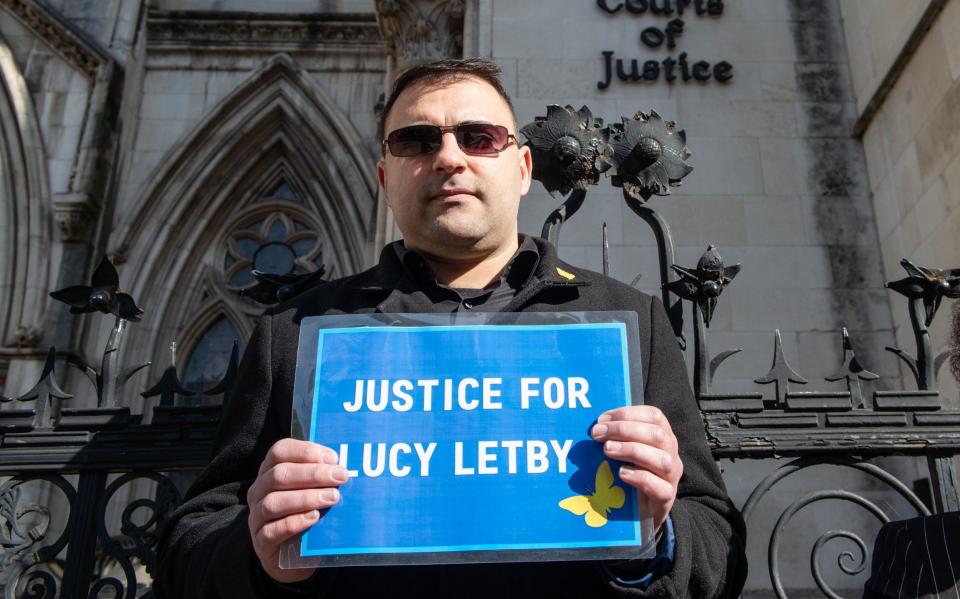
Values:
[(469, 442)]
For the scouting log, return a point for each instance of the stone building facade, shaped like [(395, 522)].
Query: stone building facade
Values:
[(192, 141), (905, 70)]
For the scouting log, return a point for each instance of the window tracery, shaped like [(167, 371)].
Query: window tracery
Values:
[(275, 234)]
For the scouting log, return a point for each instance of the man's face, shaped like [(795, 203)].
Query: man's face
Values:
[(451, 204)]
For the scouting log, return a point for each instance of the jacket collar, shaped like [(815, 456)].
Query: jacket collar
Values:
[(389, 273), (552, 271), (390, 276)]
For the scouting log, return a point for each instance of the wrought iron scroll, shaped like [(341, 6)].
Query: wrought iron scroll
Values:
[(43, 439), (142, 537), (845, 558)]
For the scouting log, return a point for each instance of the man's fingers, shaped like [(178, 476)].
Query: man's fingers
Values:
[(279, 531), (280, 504), (291, 476), (295, 450), (648, 414), (637, 432), (657, 461), (652, 487)]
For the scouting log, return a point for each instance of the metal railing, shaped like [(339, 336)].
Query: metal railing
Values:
[(69, 527)]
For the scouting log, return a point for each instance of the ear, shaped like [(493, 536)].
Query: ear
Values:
[(525, 156), (382, 179)]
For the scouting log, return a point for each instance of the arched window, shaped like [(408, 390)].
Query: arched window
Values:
[(275, 177), (274, 233), (208, 360), (276, 242)]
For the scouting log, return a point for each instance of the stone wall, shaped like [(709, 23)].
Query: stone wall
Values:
[(876, 31), (287, 6), (59, 93), (912, 147)]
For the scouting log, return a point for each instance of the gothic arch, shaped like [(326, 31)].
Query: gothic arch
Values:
[(25, 217), (277, 123), (206, 317), (279, 99)]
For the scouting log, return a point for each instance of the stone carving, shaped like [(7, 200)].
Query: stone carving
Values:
[(74, 216), (230, 30), (418, 31), (27, 337), (66, 43), (22, 529)]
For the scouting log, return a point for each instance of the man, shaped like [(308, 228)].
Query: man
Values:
[(453, 175)]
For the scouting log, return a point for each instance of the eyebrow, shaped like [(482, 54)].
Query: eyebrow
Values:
[(465, 122)]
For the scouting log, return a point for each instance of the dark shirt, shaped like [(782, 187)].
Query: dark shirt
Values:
[(492, 298)]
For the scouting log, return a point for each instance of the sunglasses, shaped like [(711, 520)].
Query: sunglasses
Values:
[(481, 139)]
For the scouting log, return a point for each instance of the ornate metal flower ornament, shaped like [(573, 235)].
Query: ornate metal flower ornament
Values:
[(102, 295), (570, 148), (705, 283), (929, 284), (649, 155), (272, 288)]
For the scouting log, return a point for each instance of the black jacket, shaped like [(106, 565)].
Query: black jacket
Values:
[(205, 548)]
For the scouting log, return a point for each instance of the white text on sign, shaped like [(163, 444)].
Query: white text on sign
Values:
[(403, 395), (491, 457)]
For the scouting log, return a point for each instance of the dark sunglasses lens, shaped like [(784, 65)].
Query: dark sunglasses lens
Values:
[(482, 138), (414, 140)]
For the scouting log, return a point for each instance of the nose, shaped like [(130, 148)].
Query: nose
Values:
[(449, 158)]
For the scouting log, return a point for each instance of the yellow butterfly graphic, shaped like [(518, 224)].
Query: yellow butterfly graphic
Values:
[(595, 508)]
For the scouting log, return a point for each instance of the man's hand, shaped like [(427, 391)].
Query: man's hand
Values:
[(296, 480), (642, 437)]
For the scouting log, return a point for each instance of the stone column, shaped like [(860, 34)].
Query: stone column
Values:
[(417, 31), (414, 32), (77, 205)]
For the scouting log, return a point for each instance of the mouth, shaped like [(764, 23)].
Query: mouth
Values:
[(453, 194)]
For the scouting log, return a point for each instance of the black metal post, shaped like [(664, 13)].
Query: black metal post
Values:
[(943, 471), (701, 353), (551, 227), (665, 249), (78, 572), (926, 375), (108, 381)]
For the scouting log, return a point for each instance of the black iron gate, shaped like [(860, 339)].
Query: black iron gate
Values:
[(68, 527)]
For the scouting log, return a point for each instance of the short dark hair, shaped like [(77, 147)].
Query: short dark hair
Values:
[(955, 342), (444, 71)]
